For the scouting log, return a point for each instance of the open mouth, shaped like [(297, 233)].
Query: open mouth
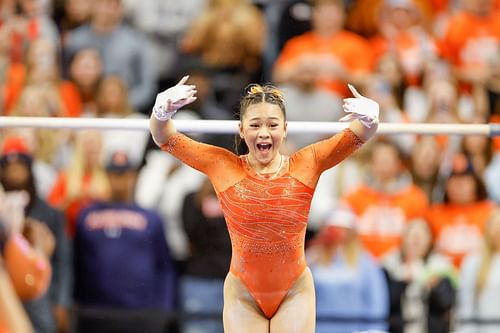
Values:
[(264, 147)]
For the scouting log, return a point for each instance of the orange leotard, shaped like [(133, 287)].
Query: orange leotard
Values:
[(266, 216)]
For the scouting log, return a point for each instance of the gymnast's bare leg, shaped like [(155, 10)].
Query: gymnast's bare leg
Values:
[(296, 313)]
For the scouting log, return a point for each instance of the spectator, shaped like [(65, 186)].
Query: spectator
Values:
[(41, 68), (323, 57), (422, 283), (72, 14), (123, 49), (210, 254), (164, 35), (48, 312), (478, 296), (83, 180), (85, 71), (426, 158), (459, 221), (348, 282), (386, 200), (123, 269), (113, 102), (220, 37), (471, 45)]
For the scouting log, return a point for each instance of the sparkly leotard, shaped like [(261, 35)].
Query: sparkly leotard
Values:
[(266, 216)]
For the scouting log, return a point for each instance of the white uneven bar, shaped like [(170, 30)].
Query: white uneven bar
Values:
[(230, 126)]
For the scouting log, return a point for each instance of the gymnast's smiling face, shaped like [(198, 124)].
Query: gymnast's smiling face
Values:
[(263, 127)]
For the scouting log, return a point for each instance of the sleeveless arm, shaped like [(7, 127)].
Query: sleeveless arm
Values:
[(219, 164), (308, 163)]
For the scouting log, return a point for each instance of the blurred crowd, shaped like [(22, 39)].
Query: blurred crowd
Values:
[(102, 232)]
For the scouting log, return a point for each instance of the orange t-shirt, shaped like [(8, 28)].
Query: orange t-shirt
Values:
[(352, 50), (266, 216), (458, 229), (404, 42), (382, 217), (471, 40), (15, 82)]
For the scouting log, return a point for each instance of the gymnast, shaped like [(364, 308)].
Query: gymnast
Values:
[(265, 197)]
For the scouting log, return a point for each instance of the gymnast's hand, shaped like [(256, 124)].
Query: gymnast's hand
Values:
[(362, 108), (169, 101)]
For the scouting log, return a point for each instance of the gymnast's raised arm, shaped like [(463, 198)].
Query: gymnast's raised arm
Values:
[(166, 105)]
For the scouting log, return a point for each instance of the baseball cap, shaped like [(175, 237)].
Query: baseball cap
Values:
[(14, 148), (119, 162), (341, 216)]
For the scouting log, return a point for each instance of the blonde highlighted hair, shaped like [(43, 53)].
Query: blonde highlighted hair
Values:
[(488, 253), (267, 93)]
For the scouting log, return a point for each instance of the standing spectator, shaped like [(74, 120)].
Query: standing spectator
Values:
[(222, 39), (348, 281), (422, 283), (387, 200), (48, 312), (210, 254), (479, 293), (123, 49), (164, 22), (459, 221), (471, 44), (123, 270), (324, 57)]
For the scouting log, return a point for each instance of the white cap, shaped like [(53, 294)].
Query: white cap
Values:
[(341, 216)]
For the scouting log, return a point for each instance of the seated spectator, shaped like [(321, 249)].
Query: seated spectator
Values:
[(123, 270), (85, 71), (348, 282), (201, 288), (386, 200), (479, 293), (112, 102), (83, 180), (422, 283), (458, 222), (426, 158), (41, 68)]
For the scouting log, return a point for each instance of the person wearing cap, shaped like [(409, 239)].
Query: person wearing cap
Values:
[(123, 270), (44, 225), (349, 284), (458, 222)]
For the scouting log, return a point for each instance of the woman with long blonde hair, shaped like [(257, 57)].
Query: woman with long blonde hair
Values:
[(479, 293)]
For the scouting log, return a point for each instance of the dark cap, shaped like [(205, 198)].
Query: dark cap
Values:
[(119, 162), (14, 148)]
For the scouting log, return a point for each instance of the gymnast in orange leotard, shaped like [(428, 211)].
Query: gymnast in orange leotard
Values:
[(265, 197)]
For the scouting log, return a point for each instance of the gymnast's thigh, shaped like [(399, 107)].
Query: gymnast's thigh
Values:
[(297, 312), (241, 313)]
